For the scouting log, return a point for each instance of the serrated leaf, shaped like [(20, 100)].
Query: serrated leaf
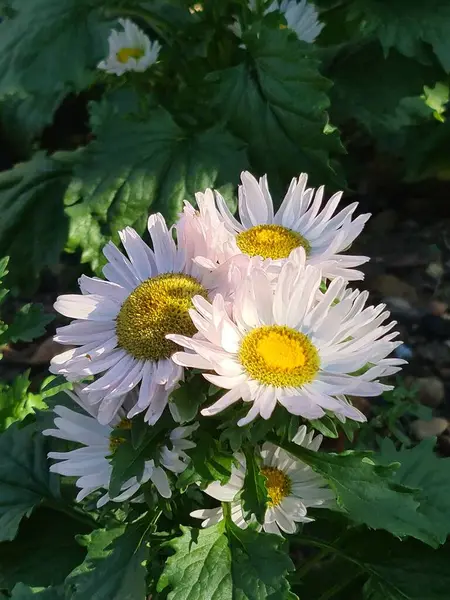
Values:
[(254, 493), (229, 563), (114, 567), (187, 399), (421, 469), (33, 228), (16, 402), (407, 25), (134, 167), (29, 323), (25, 480), (210, 461), (37, 46), (277, 103), (44, 552), (23, 592), (360, 484)]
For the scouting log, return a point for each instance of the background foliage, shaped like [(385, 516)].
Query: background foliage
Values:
[(85, 154)]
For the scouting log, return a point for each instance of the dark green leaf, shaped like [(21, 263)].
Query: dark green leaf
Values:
[(29, 323), (360, 484), (407, 25), (114, 567), (277, 103), (134, 166), (254, 493), (44, 552), (209, 461), (187, 399), (423, 470), (25, 480), (33, 228), (229, 563), (37, 46)]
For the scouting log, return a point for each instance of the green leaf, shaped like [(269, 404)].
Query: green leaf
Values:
[(44, 552), (277, 103), (421, 469), (368, 89), (29, 323), (407, 25), (326, 426), (187, 399), (254, 493), (229, 563), (16, 402), (393, 569), (25, 480), (209, 461), (135, 166), (23, 592), (114, 567), (33, 228), (437, 99), (37, 46), (360, 484)]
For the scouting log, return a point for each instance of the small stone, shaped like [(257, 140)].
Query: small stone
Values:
[(426, 429), (430, 390), (435, 270), (438, 308), (390, 285)]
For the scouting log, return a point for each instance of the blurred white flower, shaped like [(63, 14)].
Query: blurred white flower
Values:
[(91, 464), (129, 50), (292, 488), (301, 17)]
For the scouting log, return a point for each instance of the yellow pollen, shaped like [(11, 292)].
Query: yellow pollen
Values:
[(124, 55), (115, 441), (270, 241), (155, 308), (280, 356), (278, 485)]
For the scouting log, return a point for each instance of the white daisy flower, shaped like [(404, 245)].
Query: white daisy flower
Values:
[(91, 464), (291, 344), (299, 222), (129, 50), (292, 488), (121, 324), (301, 17)]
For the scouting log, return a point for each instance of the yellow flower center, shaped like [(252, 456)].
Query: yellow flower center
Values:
[(114, 440), (280, 356), (155, 308), (270, 241), (278, 485), (124, 55)]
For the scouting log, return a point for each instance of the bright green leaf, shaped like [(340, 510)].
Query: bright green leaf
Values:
[(254, 493), (29, 323), (135, 167), (114, 567), (25, 480), (277, 103), (16, 401), (421, 469), (210, 461), (227, 563), (361, 484), (23, 592)]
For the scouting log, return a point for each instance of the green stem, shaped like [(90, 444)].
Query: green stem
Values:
[(309, 564), (226, 507), (341, 585)]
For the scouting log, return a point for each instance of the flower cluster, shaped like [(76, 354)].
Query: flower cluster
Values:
[(259, 304)]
